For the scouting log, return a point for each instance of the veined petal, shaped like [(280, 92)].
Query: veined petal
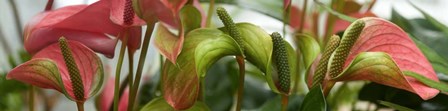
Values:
[(87, 61), (40, 72), (380, 35)]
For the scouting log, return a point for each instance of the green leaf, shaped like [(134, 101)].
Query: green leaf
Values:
[(379, 67), (309, 49), (190, 17), (159, 104), (395, 106), (432, 20), (434, 84), (314, 100), (203, 47), (438, 63)]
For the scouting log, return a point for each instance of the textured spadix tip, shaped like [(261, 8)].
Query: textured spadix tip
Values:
[(75, 77), (230, 26), (128, 14), (319, 75), (348, 40), (281, 60)]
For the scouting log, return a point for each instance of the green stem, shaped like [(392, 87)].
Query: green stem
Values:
[(80, 106), (241, 65), (131, 68), (302, 20), (211, 7), (17, 19), (202, 90), (286, 17), (4, 43), (284, 102), (338, 6), (141, 62), (31, 101), (118, 71)]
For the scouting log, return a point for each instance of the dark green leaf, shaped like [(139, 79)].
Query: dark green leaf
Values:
[(314, 100), (431, 83), (159, 104), (395, 106), (202, 48)]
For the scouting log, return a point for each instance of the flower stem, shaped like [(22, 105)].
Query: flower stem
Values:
[(302, 20), (49, 5), (31, 101), (131, 68), (80, 106), (211, 7), (17, 19), (241, 65), (338, 5), (141, 62), (118, 71), (284, 102)]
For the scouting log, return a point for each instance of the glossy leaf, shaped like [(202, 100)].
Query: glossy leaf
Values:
[(47, 69), (258, 51), (159, 104), (309, 49), (395, 106), (191, 18), (314, 100), (381, 68), (203, 47), (380, 35), (429, 38), (169, 44), (439, 63)]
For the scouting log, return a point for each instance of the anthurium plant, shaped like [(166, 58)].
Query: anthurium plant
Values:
[(211, 60)]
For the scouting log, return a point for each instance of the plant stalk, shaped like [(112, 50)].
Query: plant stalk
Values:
[(211, 8), (241, 65), (31, 101), (80, 106), (286, 13), (118, 71), (17, 19), (338, 5), (130, 76), (284, 102), (302, 20), (141, 62), (49, 5)]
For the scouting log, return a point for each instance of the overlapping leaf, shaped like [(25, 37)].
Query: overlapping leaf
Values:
[(47, 69), (380, 35), (202, 48), (170, 45)]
